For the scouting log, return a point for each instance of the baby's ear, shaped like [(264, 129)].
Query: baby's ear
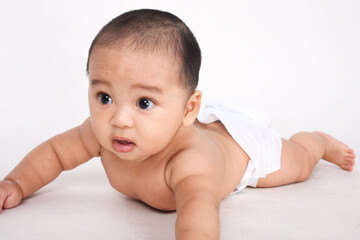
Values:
[(192, 108)]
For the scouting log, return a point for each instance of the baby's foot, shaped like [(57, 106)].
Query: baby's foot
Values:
[(337, 152)]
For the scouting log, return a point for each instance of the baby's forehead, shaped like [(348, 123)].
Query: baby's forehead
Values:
[(130, 46), (132, 50), (148, 63)]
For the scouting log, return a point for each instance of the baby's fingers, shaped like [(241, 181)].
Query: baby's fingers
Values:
[(12, 200), (3, 198), (10, 194)]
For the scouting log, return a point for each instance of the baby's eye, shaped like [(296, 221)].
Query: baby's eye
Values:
[(145, 104), (104, 98)]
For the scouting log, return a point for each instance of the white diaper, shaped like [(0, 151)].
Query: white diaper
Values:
[(251, 129)]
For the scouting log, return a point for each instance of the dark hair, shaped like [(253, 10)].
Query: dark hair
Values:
[(154, 30)]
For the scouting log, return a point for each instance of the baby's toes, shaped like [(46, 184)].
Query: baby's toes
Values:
[(349, 161), (350, 168), (347, 167), (350, 155)]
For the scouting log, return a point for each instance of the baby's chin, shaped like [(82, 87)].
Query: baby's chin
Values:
[(131, 156)]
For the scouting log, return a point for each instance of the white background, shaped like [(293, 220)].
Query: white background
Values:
[(297, 60)]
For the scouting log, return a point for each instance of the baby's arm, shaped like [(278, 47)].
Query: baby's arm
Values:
[(43, 164), (196, 185)]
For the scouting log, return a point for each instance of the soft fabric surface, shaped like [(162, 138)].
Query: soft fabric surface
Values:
[(81, 204)]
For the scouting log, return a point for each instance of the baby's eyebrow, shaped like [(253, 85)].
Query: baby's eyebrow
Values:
[(98, 82), (148, 88)]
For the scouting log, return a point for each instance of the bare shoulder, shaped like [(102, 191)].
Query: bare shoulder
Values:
[(199, 165)]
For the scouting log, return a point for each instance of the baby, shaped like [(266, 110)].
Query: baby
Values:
[(155, 143)]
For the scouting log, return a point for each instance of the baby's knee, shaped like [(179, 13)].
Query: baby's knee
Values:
[(307, 167), (304, 176)]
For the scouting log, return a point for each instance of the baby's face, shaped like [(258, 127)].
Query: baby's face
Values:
[(136, 102)]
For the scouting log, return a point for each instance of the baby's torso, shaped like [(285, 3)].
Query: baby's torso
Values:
[(146, 181), (143, 181)]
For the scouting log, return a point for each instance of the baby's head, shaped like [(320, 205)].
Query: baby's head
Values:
[(143, 69), (154, 31)]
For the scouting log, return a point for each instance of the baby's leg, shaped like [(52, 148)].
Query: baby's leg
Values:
[(302, 152)]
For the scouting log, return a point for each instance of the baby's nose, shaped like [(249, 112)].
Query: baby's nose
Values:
[(122, 118)]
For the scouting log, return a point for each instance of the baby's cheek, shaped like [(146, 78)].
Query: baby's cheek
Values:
[(159, 137), (101, 135)]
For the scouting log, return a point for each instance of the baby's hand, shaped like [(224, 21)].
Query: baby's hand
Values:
[(10, 194)]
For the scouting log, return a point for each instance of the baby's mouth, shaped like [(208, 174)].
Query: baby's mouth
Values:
[(123, 145)]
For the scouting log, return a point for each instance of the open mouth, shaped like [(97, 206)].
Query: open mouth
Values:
[(123, 145)]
